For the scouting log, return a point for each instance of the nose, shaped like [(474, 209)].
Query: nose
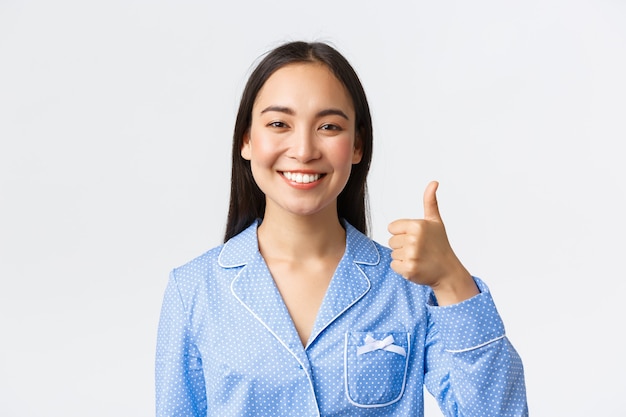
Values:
[(304, 146)]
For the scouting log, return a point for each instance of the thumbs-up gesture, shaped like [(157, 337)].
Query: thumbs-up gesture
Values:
[(422, 253)]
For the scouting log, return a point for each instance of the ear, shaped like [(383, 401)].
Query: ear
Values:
[(357, 153), (246, 147)]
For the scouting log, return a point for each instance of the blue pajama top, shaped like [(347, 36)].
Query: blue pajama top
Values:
[(228, 347)]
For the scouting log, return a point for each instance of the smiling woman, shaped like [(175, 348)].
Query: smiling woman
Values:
[(302, 138), (299, 312)]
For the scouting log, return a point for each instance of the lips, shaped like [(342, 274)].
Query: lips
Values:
[(302, 178)]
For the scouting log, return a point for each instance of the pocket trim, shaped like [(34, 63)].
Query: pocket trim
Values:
[(345, 374)]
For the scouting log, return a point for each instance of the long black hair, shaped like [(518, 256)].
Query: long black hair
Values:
[(247, 201)]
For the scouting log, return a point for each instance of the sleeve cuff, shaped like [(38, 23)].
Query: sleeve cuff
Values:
[(469, 324)]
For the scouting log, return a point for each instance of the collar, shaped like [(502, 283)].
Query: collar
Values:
[(244, 247), (254, 287)]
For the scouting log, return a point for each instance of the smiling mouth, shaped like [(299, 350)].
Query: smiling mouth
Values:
[(301, 178)]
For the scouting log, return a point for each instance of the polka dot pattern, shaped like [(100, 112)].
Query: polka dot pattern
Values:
[(226, 345)]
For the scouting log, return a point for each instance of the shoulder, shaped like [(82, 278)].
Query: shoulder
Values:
[(197, 272), (198, 266), (218, 265)]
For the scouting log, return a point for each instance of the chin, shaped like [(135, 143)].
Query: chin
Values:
[(305, 211)]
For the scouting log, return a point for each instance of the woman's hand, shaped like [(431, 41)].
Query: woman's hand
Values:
[(422, 254)]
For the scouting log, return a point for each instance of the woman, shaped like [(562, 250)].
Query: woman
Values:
[(298, 313)]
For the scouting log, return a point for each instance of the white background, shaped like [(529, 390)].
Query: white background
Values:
[(115, 124)]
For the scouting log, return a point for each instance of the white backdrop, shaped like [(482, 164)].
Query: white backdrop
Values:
[(115, 127)]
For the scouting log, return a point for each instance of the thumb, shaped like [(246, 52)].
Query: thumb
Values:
[(431, 207)]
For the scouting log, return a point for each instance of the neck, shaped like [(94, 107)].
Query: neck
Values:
[(301, 237)]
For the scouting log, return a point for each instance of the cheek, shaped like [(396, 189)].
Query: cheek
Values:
[(262, 150), (343, 152)]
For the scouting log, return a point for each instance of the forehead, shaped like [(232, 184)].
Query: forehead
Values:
[(310, 84)]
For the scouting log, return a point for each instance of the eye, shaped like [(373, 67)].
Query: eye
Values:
[(330, 126), (277, 124)]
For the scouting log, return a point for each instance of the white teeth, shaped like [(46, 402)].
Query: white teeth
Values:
[(301, 178)]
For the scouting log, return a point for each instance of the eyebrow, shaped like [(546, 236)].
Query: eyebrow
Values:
[(291, 112)]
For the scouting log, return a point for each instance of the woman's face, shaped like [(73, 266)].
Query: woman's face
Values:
[(302, 143)]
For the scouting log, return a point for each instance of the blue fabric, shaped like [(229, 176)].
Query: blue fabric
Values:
[(227, 346)]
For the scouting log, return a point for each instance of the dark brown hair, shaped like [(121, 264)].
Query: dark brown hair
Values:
[(247, 201)]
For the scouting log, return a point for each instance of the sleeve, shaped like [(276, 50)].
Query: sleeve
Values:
[(180, 388), (471, 367)]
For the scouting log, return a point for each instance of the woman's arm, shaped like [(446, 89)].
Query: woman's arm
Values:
[(471, 367), (180, 388)]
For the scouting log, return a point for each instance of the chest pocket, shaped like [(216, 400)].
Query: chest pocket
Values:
[(375, 367)]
